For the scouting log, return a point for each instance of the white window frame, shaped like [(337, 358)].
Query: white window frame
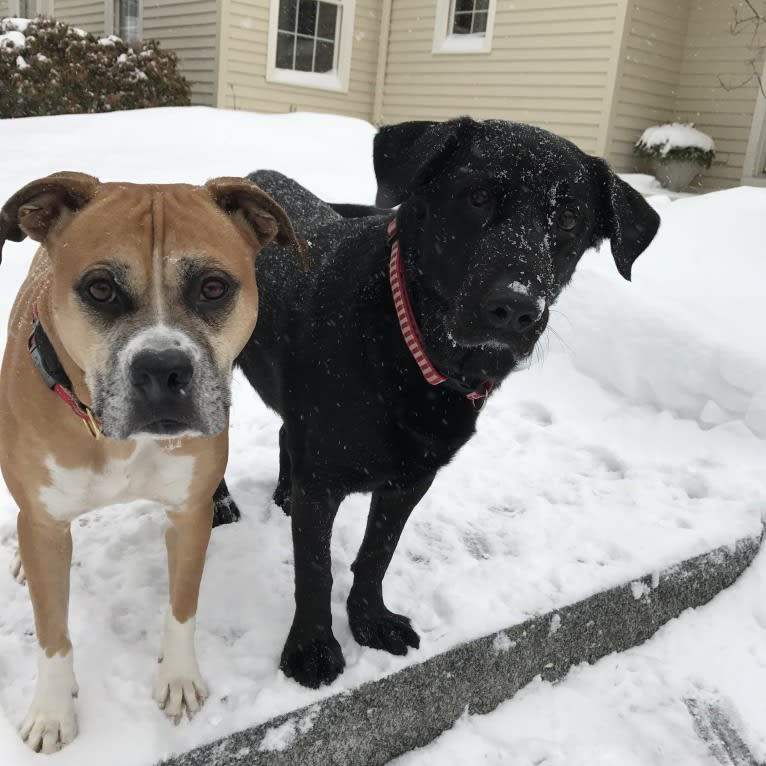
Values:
[(337, 80), (44, 8), (754, 166), (447, 42)]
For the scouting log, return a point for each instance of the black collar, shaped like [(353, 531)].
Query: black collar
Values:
[(49, 366)]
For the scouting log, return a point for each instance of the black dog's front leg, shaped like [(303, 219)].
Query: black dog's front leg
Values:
[(311, 655), (282, 493), (372, 624), (225, 510)]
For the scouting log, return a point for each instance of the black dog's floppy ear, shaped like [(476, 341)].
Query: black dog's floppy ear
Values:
[(36, 209), (406, 156), (626, 218), (259, 212)]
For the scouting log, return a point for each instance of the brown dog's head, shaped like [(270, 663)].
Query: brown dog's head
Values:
[(151, 290)]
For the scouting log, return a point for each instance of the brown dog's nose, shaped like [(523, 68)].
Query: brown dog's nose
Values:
[(513, 309), (160, 375)]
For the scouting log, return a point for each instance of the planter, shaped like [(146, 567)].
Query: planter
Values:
[(675, 175), (676, 153)]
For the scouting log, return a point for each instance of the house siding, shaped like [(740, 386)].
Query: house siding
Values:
[(675, 57), (549, 65), (191, 30), (242, 76), (711, 55), (86, 14), (648, 74)]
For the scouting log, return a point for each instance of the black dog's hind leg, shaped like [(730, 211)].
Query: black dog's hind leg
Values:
[(372, 624), (312, 655), (225, 510), (282, 492)]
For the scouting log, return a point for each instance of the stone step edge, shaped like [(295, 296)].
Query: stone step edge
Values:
[(382, 719)]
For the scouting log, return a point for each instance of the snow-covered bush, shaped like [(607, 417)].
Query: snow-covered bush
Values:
[(676, 141), (47, 67)]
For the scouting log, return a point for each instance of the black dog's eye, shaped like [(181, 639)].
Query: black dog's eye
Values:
[(102, 291), (213, 289), (567, 219), (480, 197)]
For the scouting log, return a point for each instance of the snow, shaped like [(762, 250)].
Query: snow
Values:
[(676, 135), (13, 39), (636, 438)]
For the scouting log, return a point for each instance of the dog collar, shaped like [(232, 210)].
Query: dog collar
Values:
[(49, 366), (411, 331)]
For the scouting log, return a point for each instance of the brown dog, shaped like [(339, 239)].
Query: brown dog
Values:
[(134, 309)]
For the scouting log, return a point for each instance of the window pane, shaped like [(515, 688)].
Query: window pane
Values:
[(324, 61), (127, 17), (285, 46), (463, 5), (481, 5), (480, 22), (287, 14), (304, 54), (307, 16), (462, 24), (328, 14)]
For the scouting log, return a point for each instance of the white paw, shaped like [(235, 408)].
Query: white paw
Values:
[(17, 569), (179, 687), (180, 695), (51, 722)]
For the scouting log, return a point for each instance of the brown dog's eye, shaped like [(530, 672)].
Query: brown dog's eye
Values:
[(102, 290), (213, 289), (567, 219), (480, 197)]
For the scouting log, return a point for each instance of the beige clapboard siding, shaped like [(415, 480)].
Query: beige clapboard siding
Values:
[(86, 14), (242, 78), (647, 75), (712, 52), (549, 66), (189, 29)]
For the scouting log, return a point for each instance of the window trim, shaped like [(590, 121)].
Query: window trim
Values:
[(445, 42), (339, 80)]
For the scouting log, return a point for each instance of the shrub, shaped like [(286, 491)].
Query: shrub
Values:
[(47, 67), (676, 141)]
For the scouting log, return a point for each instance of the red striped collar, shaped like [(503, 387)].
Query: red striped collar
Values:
[(409, 325)]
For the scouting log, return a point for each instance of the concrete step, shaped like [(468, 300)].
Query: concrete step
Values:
[(382, 719)]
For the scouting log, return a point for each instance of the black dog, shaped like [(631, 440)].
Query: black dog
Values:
[(494, 217)]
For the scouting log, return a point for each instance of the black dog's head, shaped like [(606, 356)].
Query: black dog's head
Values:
[(494, 217)]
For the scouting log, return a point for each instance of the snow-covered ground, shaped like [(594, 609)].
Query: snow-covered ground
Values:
[(636, 438)]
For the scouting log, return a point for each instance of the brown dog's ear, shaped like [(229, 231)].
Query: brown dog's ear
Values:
[(36, 209), (625, 218), (408, 155), (242, 199)]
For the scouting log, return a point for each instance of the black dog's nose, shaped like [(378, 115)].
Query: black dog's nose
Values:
[(516, 310), (160, 375)]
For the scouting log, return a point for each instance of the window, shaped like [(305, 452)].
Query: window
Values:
[(464, 26), (470, 17), (310, 43), (127, 20)]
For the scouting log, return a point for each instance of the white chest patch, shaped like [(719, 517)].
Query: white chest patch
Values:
[(152, 472)]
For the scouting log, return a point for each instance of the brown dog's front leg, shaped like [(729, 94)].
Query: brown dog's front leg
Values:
[(180, 686), (45, 546)]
